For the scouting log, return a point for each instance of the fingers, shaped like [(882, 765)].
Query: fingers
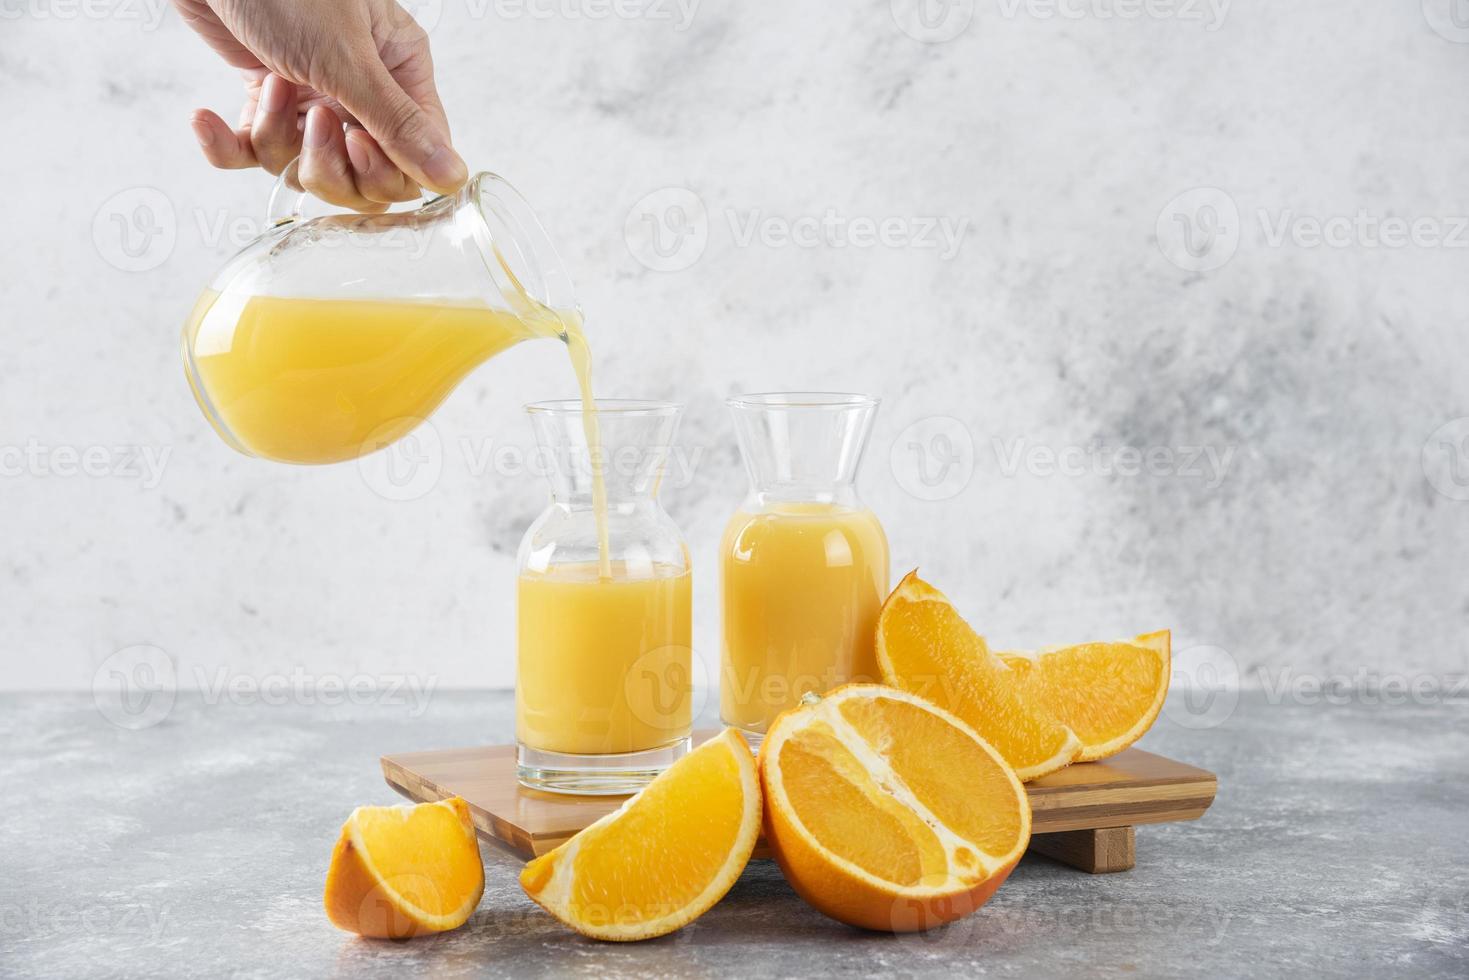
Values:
[(347, 169), (325, 170), (411, 138), (223, 147), (275, 132), (378, 178)]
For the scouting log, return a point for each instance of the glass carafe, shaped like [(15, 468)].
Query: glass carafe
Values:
[(327, 338), (803, 563), (603, 689)]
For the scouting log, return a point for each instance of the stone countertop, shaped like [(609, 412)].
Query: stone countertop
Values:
[(198, 847)]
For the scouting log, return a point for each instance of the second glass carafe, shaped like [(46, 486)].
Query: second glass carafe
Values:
[(803, 563)]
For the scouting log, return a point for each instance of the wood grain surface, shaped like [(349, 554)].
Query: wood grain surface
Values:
[(1134, 787)]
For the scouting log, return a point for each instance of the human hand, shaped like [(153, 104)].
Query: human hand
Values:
[(311, 66)]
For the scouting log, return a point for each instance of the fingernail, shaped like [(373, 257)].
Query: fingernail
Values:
[(361, 159), (277, 94), (318, 133), (203, 133), (445, 169)]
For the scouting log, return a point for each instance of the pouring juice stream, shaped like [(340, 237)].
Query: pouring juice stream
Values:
[(328, 338)]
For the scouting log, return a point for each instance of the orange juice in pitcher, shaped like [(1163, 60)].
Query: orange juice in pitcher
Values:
[(330, 337), (322, 380)]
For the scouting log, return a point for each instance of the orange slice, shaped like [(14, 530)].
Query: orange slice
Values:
[(888, 812), (665, 856), (925, 647), (1109, 694), (401, 871)]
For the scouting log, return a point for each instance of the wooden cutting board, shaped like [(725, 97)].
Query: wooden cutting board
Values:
[(1083, 815)]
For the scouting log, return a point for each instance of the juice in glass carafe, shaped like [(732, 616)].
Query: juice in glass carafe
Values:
[(803, 563), (603, 690)]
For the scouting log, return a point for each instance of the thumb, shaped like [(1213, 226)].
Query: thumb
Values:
[(410, 136)]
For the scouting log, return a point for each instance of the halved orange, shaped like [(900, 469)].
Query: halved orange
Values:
[(400, 871), (886, 811), (925, 647), (665, 856), (1109, 694)]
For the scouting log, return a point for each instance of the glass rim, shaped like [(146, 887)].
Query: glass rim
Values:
[(802, 399), (606, 406), (496, 202)]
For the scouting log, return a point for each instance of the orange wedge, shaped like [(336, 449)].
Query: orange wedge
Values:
[(925, 647), (401, 871), (665, 856), (1109, 694), (888, 812)]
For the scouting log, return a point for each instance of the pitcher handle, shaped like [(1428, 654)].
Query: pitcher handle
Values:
[(287, 202)]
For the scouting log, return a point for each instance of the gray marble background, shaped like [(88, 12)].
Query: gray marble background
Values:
[(1192, 353)]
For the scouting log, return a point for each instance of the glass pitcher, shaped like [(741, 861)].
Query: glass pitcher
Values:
[(603, 692), (328, 338), (803, 563)]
